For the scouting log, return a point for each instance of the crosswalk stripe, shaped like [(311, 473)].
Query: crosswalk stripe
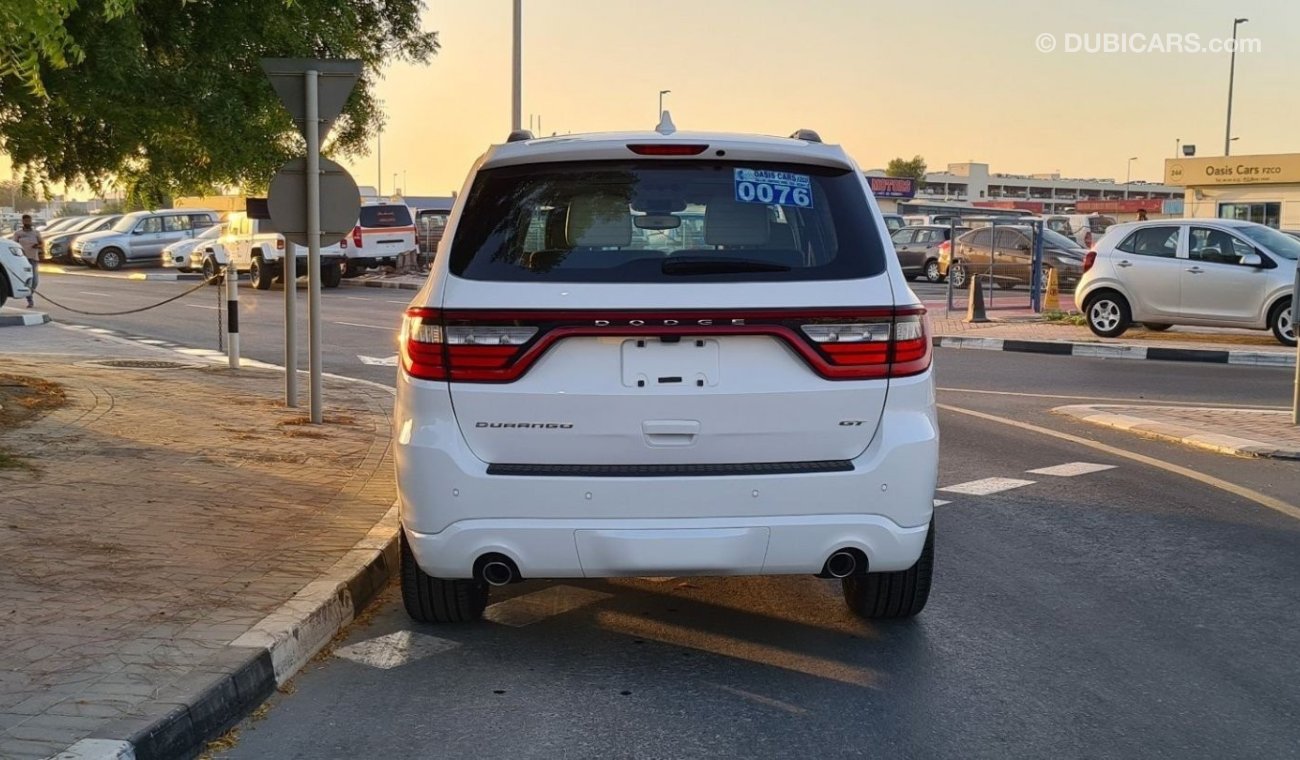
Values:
[(987, 486), (1071, 469)]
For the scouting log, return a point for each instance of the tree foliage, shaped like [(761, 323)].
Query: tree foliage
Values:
[(167, 97), (901, 167)]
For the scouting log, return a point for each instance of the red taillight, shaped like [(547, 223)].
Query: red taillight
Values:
[(499, 346), (1089, 259), (356, 236), (279, 243), (945, 247), (655, 149)]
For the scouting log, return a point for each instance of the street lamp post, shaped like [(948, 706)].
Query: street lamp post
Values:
[(1178, 144), (660, 115), (1232, 74), (1128, 175)]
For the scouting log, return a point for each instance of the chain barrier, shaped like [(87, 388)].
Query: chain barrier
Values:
[(202, 284)]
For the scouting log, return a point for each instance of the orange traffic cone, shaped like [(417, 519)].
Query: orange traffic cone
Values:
[(1052, 300), (975, 303)]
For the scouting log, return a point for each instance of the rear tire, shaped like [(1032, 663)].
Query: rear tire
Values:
[(431, 600), (957, 275), (1282, 322), (1156, 326), (900, 594), (331, 274), (260, 274), (1108, 314)]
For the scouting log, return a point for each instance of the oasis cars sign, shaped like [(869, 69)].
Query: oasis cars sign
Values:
[(1233, 170), (892, 187)]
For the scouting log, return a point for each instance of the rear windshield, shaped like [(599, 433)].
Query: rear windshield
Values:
[(385, 216), (666, 221)]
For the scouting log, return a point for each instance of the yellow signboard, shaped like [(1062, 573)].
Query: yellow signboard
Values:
[(1233, 170)]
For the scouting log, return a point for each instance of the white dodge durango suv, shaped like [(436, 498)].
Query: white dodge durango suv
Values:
[(663, 354)]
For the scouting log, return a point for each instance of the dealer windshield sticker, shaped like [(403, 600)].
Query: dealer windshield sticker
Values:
[(768, 187)]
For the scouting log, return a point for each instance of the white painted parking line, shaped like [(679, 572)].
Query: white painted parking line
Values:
[(389, 328), (200, 352), (941, 502), (659, 579), (96, 293), (539, 605), (987, 486), (201, 306), (1071, 469), (395, 649), (151, 341), (99, 331)]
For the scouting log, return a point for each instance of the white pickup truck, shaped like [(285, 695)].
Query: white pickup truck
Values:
[(261, 254)]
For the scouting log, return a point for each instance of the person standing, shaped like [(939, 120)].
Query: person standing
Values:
[(1142, 215), (32, 243)]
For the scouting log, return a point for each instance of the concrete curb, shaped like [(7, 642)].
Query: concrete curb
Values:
[(382, 284), (1122, 351), (29, 319), (1189, 436), (213, 698)]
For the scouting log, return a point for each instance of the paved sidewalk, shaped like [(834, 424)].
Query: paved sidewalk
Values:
[(172, 511), (1240, 432), (1027, 334)]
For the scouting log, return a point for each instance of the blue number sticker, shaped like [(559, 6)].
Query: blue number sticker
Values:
[(769, 187)]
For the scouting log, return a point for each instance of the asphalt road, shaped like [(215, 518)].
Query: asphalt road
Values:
[(357, 322), (1120, 612)]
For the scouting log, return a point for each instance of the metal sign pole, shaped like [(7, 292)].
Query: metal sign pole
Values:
[(313, 244), (232, 315), (1036, 272), (1295, 332), (290, 324)]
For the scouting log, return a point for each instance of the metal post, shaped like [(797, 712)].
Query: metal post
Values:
[(313, 245), (290, 325), (232, 315), (1036, 272), (993, 259), (1232, 75), (517, 83), (952, 256), (1295, 333)]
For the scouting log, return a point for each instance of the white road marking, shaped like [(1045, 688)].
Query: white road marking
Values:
[(199, 352), (987, 486), (540, 605), (389, 328), (659, 579), (395, 649), (1109, 398), (99, 331), (201, 306), (377, 361), (1071, 469), (759, 698), (95, 293), (404, 303), (1262, 499), (941, 502)]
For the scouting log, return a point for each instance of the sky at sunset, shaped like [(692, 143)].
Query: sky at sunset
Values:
[(952, 80)]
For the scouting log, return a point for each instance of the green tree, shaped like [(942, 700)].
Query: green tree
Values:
[(901, 167), (168, 98)]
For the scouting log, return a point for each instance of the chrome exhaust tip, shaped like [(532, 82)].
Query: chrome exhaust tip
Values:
[(841, 564), (498, 573)]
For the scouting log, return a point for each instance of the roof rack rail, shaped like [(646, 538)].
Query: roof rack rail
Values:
[(807, 135), (519, 135)]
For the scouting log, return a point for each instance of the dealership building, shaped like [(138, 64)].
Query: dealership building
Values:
[(1261, 188)]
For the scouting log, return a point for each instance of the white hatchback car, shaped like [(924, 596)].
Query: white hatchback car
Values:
[(1211, 272), (661, 354), (15, 272)]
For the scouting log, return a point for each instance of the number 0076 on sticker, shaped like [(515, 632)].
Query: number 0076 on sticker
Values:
[(780, 188)]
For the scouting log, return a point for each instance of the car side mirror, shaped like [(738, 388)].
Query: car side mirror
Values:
[(1252, 260), (137, 231)]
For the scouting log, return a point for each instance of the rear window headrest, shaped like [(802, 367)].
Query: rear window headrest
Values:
[(729, 222), (599, 221)]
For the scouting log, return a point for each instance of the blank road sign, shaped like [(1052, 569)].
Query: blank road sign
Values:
[(340, 202)]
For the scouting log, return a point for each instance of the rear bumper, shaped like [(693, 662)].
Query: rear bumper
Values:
[(566, 527)]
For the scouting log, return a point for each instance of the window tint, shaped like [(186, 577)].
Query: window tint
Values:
[(176, 223), (385, 216), (902, 237), (1214, 246), (1152, 241), (1009, 240), (665, 221), (149, 225), (1285, 245), (1099, 224), (982, 238), (201, 221), (1061, 226)]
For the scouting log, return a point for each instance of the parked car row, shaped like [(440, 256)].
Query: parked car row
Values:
[(1004, 253)]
